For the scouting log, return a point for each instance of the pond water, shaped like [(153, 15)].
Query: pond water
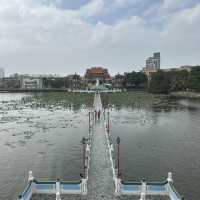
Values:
[(158, 135), (42, 133)]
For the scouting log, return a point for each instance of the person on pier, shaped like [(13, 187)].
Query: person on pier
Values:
[(95, 115), (99, 114)]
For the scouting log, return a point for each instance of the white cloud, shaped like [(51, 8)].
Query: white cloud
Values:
[(93, 8), (182, 36), (40, 38), (120, 2)]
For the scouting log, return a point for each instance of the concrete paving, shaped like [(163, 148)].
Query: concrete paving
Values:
[(100, 182)]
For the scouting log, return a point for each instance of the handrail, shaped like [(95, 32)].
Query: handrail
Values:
[(131, 183), (157, 183), (26, 189), (175, 191), (71, 182), (139, 183), (44, 182)]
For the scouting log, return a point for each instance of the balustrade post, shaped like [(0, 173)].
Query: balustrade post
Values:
[(84, 186), (170, 178), (30, 176), (58, 196), (117, 186), (142, 196), (143, 190), (58, 189)]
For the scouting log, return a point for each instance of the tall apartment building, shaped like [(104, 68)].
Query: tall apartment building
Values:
[(153, 63), (2, 73)]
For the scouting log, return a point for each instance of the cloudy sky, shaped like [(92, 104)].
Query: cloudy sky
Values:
[(67, 36)]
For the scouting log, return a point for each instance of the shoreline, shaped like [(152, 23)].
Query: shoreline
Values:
[(32, 90), (184, 94)]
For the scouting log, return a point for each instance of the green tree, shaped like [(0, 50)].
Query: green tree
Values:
[(179, 80), (159, 83), (136, 79), (54, 82), (194, 79)]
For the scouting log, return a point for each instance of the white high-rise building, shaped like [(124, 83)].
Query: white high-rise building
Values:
[(153, 63), (1, 73)]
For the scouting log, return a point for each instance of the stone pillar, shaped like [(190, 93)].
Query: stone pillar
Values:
[(142, 196), (58, 196), (30, 176), (58, 190), (169, 178), (84, 187), (117, 186), (143, 190)]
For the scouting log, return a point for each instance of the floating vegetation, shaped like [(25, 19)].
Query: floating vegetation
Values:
[(49, 101), (60, 100), (139, 100)]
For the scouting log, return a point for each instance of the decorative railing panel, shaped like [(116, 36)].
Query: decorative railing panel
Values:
[(27, 192), (70, 187), (127, 188), (173, 194)]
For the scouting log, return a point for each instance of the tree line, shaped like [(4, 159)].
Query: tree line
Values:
[(159, 82), (166, 82)]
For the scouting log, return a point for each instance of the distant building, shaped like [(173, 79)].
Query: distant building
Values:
[(10, 83), (185, 67), (74, 81), (118, 81), (95, 73), (152, 64), (188, 67), (31, 82), (171, 70), (2, 73)]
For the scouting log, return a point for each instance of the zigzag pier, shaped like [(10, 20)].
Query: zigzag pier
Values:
[(100, 178)]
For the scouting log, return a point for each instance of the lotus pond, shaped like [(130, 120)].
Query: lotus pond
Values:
[(42, 132)]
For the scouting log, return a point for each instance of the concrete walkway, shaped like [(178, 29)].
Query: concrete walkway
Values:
[(100, 182)]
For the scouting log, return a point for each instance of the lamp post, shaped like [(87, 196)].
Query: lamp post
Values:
[(83, 141), (118, 157)]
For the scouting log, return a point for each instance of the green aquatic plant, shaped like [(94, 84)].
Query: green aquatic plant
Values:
[(133, 99), (61, 100)]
